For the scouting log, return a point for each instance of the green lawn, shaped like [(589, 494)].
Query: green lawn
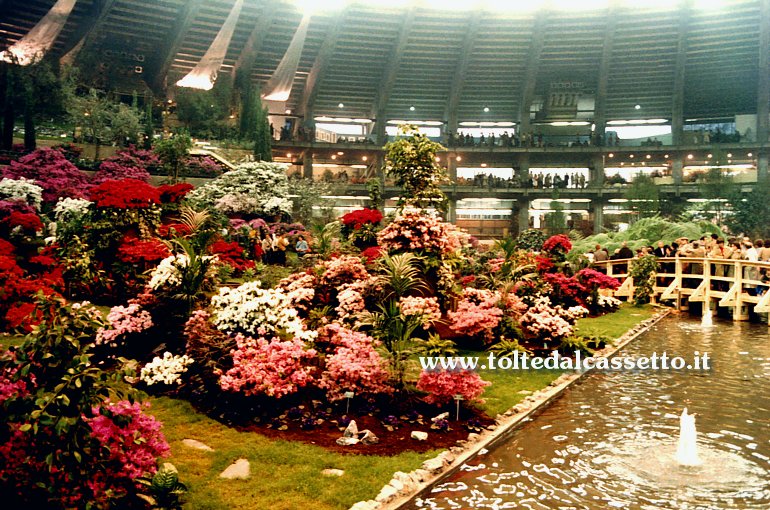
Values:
[(284, 475), (615, 324), (10, 340)]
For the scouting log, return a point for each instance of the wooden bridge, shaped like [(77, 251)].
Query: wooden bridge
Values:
[(716, 283)]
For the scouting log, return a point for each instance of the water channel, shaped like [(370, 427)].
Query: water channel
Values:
[(611, 440)]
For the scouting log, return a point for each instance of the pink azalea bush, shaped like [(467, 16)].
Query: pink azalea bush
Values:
[(341, 270), (51, 171), (274, 367), (442, 385), (426, 308), (477, 313), (124, 320), (133, 439), (413, 230), (354, 366), (546, 323)]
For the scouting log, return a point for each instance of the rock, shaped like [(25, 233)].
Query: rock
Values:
[(397, 484), (447, 456), (347, 441), (442, 416), (433, 465), (402, 477), (238, 470), (368, 437), (420, 475), (386, 494), (473, 437), (197, 445), (420, 436), (332, 472), (365, 505), (351, 430)]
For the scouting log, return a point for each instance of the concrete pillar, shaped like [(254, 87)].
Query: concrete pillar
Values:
[(522, 213), (451, 167), (762, 159), (596, 171), (524, 170), (677, 172), (380, 135), (763, 85), (452, 210), (307, 165), (597, 207), (677, 93)]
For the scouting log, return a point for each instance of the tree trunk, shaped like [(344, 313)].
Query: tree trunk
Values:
[(30, 138)]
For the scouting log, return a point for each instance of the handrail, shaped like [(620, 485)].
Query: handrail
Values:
[(728, 282)]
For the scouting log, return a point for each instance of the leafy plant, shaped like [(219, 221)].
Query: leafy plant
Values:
[(507, 347), (411, 161), (192, 274), (164, 488), (324, 237), (400, 274), (643, 272), (437, 346)]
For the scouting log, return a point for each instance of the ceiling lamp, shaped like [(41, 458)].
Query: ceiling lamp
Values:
[(486, 109), (637, 107), (341, 105)]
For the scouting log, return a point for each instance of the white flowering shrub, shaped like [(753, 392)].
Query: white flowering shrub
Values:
[(71, 209), (166, 370), (251, 188), (167, 274), (253, 310), (21, 189)]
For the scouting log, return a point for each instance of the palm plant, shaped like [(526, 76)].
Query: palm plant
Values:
[(395, 332), (192, 273), (324, 237), (400, 274)]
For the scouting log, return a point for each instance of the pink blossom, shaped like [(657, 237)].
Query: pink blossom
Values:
[(442, 385), (476, 313), (124, 321)]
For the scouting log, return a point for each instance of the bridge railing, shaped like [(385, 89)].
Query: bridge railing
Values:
[(736, 284)]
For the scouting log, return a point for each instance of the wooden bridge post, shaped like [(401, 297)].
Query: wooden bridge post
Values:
[(740, 311), (707, 286), (680, 304)]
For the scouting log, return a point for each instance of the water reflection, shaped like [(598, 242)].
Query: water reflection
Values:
[(610, 442)]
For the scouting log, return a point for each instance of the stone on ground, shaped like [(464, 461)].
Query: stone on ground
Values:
[(368, 437), (420, 436), (238, 470), (197, 445), (332, 472), (351, 430)]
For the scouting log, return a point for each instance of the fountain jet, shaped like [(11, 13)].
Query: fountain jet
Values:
[(707, 321), (687, 450)]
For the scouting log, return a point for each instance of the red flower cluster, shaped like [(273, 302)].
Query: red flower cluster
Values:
[(356, 219), (231, 254), (30, 222), (6, 248), (17, 290), (544, 264), (372, 253), (592, 280), (125, 194), (169, 230), (566, 289), (174, 193), (557, 243), (136, 251)]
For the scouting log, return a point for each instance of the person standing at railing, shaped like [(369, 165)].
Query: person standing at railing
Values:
[(698, 252), (764, 253), (750, 254)]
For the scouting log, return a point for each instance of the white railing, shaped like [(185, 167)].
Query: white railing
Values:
[(714, 282)]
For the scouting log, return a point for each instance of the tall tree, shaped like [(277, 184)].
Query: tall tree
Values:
[(643, 196), (173, 153), (262, 140), (411, 161)]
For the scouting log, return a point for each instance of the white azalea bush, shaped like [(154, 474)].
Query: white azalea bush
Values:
[(167, 370), (168, 275), (21, 189), (71, 209), (251, 188), (252, 310)]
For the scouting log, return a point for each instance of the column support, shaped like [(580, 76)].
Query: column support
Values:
[(597, 206), (307, 165)]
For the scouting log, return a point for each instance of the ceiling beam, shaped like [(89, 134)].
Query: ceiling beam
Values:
[(248, 56), (763, 85), (600, 99), (158, 69), (530, 74), (461, 70), (677, 94), (390, 73), (320, 66), (86, 29)]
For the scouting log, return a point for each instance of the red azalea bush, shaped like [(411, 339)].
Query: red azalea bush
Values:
[(51, 170), (18, 290), (544, 264), (125, 194), (442, 385), (169, 230), (6, 248), (592, 279), (372, 253), (355, 219), (136, 251), (355, 365), (29, 222), (557, 244), (567, 290), (274, 367), (231, 254), (174, 193)]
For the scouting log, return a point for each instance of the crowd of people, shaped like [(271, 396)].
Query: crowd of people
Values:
[(707, 247), (523, 140), (537, 181)]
